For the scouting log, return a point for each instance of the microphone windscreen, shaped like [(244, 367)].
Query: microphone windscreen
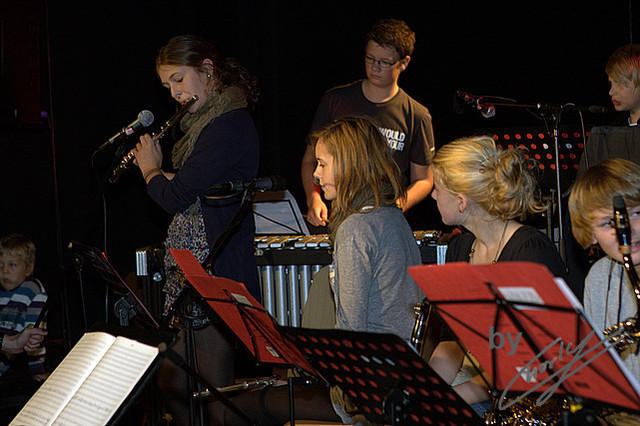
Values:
[(146, 118), (275, 183), (597, 109)]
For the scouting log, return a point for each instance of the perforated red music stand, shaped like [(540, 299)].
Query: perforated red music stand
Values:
[(557, 351), (244, 315), (383, 376)]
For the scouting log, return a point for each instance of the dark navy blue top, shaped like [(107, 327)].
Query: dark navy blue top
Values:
[(226, 150)]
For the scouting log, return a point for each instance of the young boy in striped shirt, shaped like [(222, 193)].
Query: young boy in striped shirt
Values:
[(22, 298)]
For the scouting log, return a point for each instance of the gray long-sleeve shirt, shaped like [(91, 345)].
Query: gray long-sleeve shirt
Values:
[(609, 299), (372, 287)]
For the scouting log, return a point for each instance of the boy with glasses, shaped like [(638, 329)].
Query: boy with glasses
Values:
[(405, 123)]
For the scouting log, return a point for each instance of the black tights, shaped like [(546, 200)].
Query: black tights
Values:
[(215, 358)]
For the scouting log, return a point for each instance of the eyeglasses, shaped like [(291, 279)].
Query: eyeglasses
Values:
[(370, 60)]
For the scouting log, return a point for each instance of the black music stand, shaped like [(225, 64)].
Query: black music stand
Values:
[(97, 261), (540, 147), (383, 376), (528, 332), (547, 112)]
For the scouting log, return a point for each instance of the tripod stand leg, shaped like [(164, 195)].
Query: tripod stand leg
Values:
[(177, 360), (82, 300), (291, 403), (193, 387)]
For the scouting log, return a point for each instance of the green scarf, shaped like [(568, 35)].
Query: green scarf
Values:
[(228, 99)]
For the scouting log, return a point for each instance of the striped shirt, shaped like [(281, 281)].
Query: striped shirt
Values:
[(19, 308)]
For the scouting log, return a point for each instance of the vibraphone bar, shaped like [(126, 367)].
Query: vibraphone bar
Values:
[(287, 264)]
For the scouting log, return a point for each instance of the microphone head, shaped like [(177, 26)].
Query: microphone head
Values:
[(488, 111), (618, 203), (468, 98), (271, 183), (145, 117), (279, 183), (597, 109), (621, 220)]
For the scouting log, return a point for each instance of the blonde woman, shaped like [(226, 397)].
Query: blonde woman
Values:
[(487, 191)]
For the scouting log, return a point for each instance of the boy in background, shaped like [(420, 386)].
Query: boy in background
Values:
[(404, 122), (22, 298)]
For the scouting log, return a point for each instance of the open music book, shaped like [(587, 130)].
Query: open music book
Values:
[(90, 383)]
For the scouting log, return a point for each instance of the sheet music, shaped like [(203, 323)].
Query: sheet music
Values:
[(109, 384), (90, 383), (276, 213), (57, 390)]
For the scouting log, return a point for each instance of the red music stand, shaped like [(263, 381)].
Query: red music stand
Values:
[(248, 320), (557, 351), (244, 315)]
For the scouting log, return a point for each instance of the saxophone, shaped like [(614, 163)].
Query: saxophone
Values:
[(627, 332), (127, 161), (422, 312)]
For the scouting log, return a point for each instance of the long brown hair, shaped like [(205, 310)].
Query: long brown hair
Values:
[(365, 173), (192, 50)]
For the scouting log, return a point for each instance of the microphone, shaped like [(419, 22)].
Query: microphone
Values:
[(486, 110), (623, 232), (597, 109), (271, 183), (621, 220), (145, 119)]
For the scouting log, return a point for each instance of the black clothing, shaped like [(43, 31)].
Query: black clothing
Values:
[(611, 142), (405, 123), (526, 244)]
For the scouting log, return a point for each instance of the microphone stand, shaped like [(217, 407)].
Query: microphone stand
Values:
[(216, 248), (555, 116), (219, 243), (555, 112)]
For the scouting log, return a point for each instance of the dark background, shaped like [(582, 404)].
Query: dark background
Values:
[(72, 74)]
